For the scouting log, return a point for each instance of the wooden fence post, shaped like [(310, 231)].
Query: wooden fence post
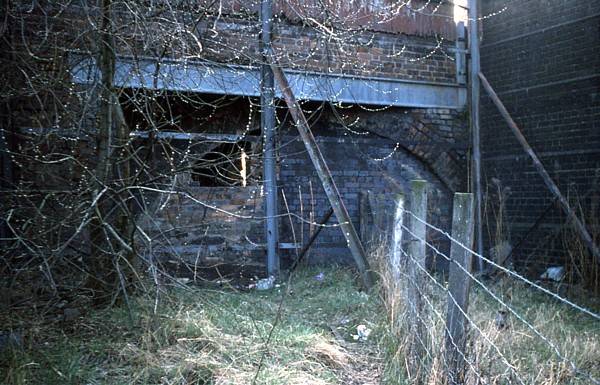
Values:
[(458, 288), (415, 270)]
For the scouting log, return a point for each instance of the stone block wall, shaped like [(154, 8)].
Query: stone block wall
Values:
[(542, 59), (204, 226)]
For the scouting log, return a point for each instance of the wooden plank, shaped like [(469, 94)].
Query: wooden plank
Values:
[(579, 226), (459, 284), (341, 213), (224, 138)]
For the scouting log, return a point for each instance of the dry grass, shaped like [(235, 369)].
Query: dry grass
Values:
[(492, 351), (204, 336)]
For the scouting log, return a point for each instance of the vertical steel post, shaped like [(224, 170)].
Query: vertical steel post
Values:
[(460, 56), (267, 95), (475, 134)]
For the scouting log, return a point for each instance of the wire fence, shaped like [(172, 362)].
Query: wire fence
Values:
[(465, 328), (79, 210)]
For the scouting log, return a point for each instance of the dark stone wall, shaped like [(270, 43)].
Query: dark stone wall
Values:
[(380, 154), (410, 143), (543, 60)]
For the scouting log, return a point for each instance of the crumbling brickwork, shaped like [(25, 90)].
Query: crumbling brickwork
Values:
[(399, 144), (204, 225)]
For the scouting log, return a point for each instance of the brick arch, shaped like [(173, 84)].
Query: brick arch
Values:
[(438, 138), (365, 159)]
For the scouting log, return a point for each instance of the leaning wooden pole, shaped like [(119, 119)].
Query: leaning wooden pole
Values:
[(341, 213), (579, 226)]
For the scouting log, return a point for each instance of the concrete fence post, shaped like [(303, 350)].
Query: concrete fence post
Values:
[(415, 271), (396, 257), (458, 288)]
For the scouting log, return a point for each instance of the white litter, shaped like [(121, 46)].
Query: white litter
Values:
[(556, 273), (182, 281), (266, 283), (362, 333)]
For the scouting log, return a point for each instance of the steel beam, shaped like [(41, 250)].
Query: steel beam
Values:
[(237, 80), (474, 115), (195, 136)]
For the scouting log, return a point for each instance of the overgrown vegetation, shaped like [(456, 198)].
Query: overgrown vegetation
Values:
[(503, 347), (217, 335), (209, 336)]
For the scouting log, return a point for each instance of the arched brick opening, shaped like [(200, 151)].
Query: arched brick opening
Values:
[(372, 152), (368, 151)]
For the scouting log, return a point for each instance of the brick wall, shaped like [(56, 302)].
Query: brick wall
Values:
[(428, 142), (44, 39), (542, 59), (366, 53), (379, 154), (204, 226), (374, 163)]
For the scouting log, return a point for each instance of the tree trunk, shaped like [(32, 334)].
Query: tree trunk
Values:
[(111, 227)]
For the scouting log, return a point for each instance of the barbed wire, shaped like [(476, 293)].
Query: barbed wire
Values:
[(149, 99), (471, 322), (508, 271), (485, 287)]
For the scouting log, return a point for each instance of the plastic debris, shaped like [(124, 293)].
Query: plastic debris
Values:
[(556, 273), (266, 283), (362, 333), (182, 281), (320, 277)]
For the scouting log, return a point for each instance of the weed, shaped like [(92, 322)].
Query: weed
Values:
[(204, 336)]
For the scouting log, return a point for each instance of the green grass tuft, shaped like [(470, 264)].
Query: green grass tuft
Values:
[(204, 336)]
